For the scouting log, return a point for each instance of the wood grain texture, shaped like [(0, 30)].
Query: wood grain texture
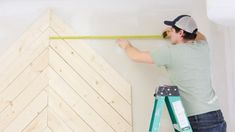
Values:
[(60, 86)]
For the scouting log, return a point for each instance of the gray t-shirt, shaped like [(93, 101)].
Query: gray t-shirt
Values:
[(189, 69)]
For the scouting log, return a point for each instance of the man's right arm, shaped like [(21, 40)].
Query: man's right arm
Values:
[(200, 36)]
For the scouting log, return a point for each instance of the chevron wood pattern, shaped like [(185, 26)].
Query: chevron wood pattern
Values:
[(60, 85)]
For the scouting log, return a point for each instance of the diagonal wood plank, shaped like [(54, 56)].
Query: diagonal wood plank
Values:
[(47, 129), (70, 117), (26, 39), (83, 109), (94, 60), (87, 93), (23, 80), (22, 101), (60, 86), (93, 79), (33, 109), (24, 59), (38, 124), (55, 123)]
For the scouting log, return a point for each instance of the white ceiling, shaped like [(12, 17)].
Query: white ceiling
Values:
[(221, 11)]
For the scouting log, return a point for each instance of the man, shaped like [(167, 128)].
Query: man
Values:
[(187, 61)]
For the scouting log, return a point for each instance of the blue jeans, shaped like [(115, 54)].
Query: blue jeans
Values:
[(208, 122)]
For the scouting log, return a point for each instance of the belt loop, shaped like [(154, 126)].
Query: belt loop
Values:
[(196, 118), (218, 115)]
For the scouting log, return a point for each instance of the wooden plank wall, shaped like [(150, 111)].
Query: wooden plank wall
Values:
[(60, 85)]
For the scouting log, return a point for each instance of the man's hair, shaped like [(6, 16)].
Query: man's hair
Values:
[(187, 35)]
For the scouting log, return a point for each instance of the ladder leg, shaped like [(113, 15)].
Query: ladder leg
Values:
[(171, 113), (178, 115), (157, 113)]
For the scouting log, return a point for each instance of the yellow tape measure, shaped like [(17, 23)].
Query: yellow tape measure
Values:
[(109, 37)]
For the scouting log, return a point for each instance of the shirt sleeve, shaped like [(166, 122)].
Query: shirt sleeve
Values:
[(161, 56)]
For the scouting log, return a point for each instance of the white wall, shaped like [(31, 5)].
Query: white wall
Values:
[(229, 33), (107, 17), (222, 12)]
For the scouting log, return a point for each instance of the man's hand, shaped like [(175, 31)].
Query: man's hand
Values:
[(123, 43), (134, 53)]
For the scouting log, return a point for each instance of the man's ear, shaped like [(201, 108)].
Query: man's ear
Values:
[(181, 33)]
